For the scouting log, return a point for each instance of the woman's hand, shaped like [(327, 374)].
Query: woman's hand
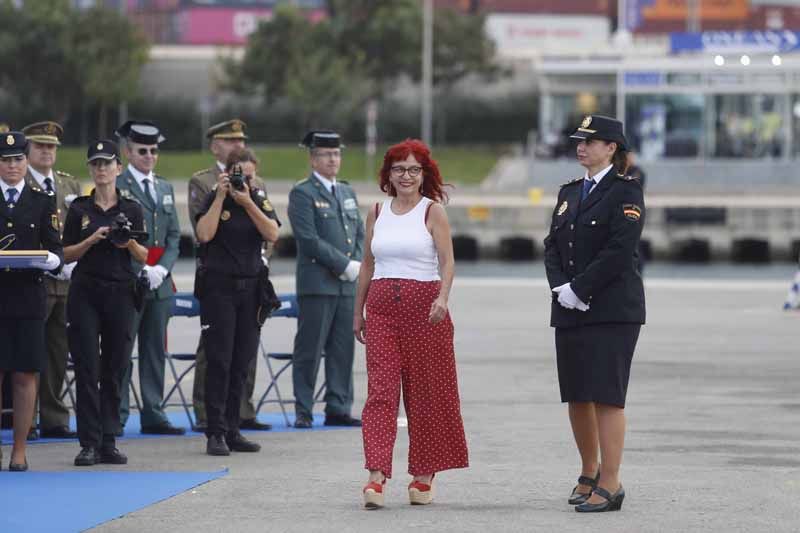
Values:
[(360, 329), (438, 310), (241, 197), (223, 185), (100, 234)]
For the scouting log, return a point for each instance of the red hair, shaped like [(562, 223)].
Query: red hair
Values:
[(432, 184)]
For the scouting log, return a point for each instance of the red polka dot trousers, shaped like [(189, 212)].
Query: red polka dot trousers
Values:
[(405, 350)]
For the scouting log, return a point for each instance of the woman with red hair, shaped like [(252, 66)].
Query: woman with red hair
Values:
[(404, 283)]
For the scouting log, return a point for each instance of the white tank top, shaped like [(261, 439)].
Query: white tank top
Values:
[(402, 245)]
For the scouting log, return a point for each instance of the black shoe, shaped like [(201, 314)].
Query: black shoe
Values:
[(237, 443), (59, 432), (577, 498), (17, 467), (342, 420), (612, 503), (303, 422), (216, 446), (112, 456), (32, 435), (162, 429), (252, 423), (88, 456)]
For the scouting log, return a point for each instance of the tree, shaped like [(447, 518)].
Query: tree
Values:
[(108, 62)]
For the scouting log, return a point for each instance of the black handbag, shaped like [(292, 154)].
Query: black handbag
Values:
[(269, 300)]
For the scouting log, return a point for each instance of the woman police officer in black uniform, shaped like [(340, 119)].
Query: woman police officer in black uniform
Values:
[(598, 306), (101, 302), (232, 227)]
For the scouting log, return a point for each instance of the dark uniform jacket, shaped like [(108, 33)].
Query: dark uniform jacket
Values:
[(593, 245), (67, 189), (103, 261), (329, 234), (34, 223), (235, 250)]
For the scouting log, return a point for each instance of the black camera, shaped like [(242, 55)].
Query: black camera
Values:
[(237, 178), (121, 231)]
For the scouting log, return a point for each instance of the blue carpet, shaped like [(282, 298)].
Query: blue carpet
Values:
[(81, 500), (178, 418)]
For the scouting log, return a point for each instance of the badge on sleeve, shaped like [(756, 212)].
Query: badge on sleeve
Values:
[(563, 208), (632, 212), (350, 203), (54, 221), (226, 215), (266, 206), (85, 222), (168, 199)]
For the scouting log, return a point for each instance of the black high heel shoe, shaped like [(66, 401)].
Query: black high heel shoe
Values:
[(577, 498), (613, 502), (18, 467)]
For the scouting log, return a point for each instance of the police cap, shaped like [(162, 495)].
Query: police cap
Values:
[(230, 129), (322, 139), (102, 149), (140, 131), (47, 132), (12, 143), (600, 127)]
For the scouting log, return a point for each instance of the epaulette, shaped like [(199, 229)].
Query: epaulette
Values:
[(301, 181), (343, 181), (627, 178), (570, 182), (205, 170), (64, 174), (125, 194), (83, 198)]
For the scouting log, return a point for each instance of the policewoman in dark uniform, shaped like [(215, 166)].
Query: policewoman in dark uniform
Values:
[(100, 304), (591, 260), (28, 221), (232, 226)]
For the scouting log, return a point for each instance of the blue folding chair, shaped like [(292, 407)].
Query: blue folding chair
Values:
[(184, 304), (289, 309)]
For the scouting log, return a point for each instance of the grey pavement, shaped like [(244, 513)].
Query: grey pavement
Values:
[(712, 440)]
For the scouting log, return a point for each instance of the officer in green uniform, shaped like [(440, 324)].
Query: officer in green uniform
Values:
[(223, 139), (330, 242), (44, 138), (157, 198)]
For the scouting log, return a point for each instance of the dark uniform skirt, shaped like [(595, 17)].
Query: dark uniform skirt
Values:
[(23, 348), (594, 362)]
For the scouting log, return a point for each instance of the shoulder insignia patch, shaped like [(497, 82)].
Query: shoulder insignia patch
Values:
[(570, 182), (205, 170), (627, 178), (85, 221), (64, 174), (125, 193), (632, 212), (266, 206), (54, 221)]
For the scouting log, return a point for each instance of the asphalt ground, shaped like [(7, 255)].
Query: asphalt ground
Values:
[(712, 441)]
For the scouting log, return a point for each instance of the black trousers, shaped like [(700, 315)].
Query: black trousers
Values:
[(230, 330), (99, 318)]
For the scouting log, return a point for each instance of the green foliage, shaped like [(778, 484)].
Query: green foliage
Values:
[(62, 58)]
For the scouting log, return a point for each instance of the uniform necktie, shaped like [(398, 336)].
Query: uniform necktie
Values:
[(587, 186), (12, 193), (48, 183), (147, 189), (333, 191)]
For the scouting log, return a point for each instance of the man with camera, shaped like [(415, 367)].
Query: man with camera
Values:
[(44, 138), (140, 141), (224, 138)]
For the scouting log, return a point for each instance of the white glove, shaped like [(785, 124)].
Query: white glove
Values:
[(51, 263), (568, 299), (154, 279), (66, 271), (351, 271), (162, 274)]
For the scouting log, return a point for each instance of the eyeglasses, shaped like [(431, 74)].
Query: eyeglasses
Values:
[(398, 171), (143, 151)]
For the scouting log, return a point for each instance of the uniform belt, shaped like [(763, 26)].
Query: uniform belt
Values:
[(215, 281)]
